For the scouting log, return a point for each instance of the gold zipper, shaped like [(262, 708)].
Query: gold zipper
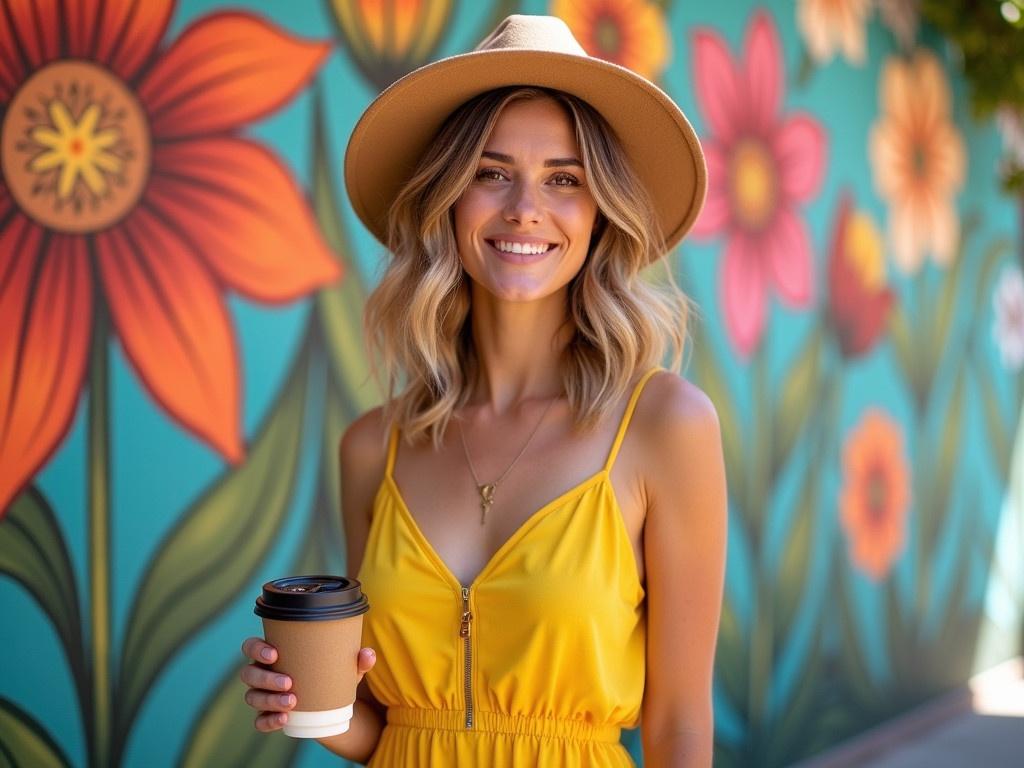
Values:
[(464, 633)]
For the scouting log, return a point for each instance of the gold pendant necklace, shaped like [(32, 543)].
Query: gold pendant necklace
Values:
[(486, 490)]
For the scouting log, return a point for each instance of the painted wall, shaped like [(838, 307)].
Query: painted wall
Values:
[(181, 282)]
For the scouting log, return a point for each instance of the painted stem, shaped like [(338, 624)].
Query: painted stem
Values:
[(99, 541), (761, 651)]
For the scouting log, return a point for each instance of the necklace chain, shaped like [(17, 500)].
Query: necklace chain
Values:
[(486, 490)]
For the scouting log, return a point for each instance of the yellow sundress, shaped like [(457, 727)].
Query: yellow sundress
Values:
[(539, 662)]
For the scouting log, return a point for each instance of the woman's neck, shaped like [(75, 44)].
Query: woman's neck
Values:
[(519, 346)]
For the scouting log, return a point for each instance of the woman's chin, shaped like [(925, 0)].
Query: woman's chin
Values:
[(518, 291)]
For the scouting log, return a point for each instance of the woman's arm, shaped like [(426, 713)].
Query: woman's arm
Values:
[(684, 556), (362, 457)]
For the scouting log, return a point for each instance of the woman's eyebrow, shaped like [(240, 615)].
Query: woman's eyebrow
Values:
[(555, 162)]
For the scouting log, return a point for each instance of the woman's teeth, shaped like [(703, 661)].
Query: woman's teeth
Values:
[(507, 247)]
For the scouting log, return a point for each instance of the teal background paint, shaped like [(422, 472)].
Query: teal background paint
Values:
[(158, 470)]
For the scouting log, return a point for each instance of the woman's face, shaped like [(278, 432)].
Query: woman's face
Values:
[(523, 225)]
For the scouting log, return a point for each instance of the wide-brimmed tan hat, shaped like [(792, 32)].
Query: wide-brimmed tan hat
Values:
[(398, 126)]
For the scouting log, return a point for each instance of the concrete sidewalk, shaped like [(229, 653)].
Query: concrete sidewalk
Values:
[(979, 726)]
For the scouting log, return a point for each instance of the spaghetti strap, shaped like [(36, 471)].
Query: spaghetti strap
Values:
[(392, 451), (624, 424)]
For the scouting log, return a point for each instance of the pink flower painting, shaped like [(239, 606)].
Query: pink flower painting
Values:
[(763, 164)]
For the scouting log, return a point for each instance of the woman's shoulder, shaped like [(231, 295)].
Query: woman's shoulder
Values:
[(679, 451), (364, 443), (675, 414)]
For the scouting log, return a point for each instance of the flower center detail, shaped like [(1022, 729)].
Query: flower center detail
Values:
[(75, 147), (608, 35), (877, 496), (753, 184)]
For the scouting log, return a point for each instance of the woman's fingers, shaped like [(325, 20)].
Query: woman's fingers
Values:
[(365, 661), (257, 649), (271, 721), (256, 676), (268, 701)]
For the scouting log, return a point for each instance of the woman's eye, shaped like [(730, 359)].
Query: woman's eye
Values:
[(565, 180), (489, 174)]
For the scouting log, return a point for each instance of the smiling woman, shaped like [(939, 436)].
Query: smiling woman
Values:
[(537, 512)]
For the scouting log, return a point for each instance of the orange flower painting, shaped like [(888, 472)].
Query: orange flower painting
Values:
[(631, 33), (828, 26), (127, 193), (918, 161), (875, 497)]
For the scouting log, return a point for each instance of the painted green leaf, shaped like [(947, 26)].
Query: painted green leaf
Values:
[(730, 656), (993, 256), (338, 414), (24, 743), (34, 554), (216, 547), (796, 719), (900, 646), (793, 568), (933, 516), (939, 340), (800, 392), (340, 307), (727, 756), (997, 427), (223, 733), (902, 343), (712, 380), (854, 667)]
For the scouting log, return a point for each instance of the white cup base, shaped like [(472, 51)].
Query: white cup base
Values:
[(317, 725)]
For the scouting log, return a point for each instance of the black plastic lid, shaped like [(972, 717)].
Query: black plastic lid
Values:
[(311, 598)]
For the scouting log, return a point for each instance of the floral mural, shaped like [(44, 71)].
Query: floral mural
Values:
[(172, 221), (631, 33), (829, 26), (917, 157), (876, 494), (762, 164), (125, 186)]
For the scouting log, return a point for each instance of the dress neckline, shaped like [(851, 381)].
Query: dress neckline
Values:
[(534, 519), (602, 475)]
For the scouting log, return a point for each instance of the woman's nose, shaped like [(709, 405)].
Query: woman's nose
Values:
[(522, 205)]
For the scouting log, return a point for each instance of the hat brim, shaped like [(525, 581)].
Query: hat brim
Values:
[(399, 125)]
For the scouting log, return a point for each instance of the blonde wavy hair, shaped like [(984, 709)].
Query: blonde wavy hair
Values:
[(417, 319)]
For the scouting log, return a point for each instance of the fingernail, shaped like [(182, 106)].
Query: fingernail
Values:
[(282, 719), (286, 699), (267, 654), (282, 681), (373, 654)]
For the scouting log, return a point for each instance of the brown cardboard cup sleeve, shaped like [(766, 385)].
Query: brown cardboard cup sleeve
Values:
[(315, 622)]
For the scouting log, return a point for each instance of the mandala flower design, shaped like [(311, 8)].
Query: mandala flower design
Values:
[(875, 497), (829, 25), (859, 298), (126, 191), (1008, 326), (632, 33), (762, 165), (389, 38), (918, 161)]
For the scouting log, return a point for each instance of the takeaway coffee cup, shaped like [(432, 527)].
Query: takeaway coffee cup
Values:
[(316, 623)]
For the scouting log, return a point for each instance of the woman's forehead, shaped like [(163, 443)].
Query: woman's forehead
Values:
[(533, 128)]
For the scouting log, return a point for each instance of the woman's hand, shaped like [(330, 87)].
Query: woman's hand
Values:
[(268, 690)]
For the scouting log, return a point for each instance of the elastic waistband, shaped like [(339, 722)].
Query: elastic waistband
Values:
[(496, 722)]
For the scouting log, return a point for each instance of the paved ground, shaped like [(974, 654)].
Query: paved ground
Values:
[(979, 727)]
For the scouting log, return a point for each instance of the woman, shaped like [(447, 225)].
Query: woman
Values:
[(538, 514)]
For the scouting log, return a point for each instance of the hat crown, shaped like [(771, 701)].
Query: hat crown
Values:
[(545, 33)]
